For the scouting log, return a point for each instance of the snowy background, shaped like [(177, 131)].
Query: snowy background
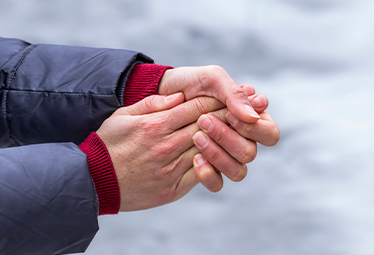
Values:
[(311, 194)]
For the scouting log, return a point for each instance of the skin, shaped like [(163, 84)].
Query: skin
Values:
[(211, 81), (168, 146), (224, 146), (225, 149), (155, 165)]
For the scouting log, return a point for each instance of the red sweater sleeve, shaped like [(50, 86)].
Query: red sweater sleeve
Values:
[(142, 82), (103, 174)]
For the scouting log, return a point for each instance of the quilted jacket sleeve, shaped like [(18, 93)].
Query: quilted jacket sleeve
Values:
[(48, 203), (53, 94)]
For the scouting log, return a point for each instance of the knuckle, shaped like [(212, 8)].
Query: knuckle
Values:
[(149, 127), (221, 135), (273, 136), (215, 69), (201, 105), (241, 173), (152, 126), (150, 102), (165, 148), (203, 79), (214, 156), (237, 91), (164, 172), (248, 154), (209, 74)]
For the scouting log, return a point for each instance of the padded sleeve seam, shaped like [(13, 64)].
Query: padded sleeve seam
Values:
[(11, 78)]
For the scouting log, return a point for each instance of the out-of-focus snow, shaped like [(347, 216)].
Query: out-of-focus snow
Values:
[(314, 59)]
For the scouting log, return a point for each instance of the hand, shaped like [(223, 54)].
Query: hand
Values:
[(212, 81), (225, 148), (150, 144)]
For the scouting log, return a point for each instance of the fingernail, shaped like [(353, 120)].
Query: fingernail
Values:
[(200, 139), (205, 123), (199, 160), (251, 112), (231, 118), (172, 96)]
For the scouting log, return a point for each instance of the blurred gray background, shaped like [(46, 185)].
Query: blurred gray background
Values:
[(313, 193)]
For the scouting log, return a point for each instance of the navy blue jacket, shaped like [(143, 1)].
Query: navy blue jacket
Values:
[(51, 98)]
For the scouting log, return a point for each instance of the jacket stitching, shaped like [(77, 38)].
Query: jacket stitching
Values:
[(11, 78), (61, 92)]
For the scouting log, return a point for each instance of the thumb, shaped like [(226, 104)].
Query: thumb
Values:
[(151, 104), (211, 81)]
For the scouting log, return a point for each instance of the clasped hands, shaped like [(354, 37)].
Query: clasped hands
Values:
[(202, 125)]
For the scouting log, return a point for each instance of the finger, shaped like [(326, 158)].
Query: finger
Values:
[(216, 80), (190, 111), (248, 89), (185, 184), (240, 106), (151, 104), (261, 107), (219, 158), (209, 81), (259, 102), (264, 131), (183, 161), (175, 142), (221, 115), (206, 174), (237, 146), (183, 136)]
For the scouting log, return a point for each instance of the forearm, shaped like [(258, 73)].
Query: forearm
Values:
[(56, 93), (48, 201), (53, 93)]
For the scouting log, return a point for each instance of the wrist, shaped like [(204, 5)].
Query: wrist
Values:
[(103, 174), (142, 82)]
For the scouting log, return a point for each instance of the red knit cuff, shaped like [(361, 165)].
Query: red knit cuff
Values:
[(142, 82), (103, 174)]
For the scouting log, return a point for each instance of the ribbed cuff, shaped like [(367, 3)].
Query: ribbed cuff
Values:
[(103, 174), (142, 82)]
